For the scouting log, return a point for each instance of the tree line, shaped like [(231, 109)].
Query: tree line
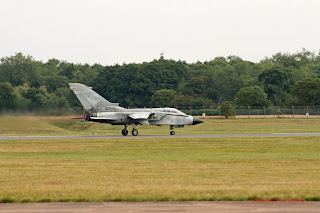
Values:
[(282, 80)]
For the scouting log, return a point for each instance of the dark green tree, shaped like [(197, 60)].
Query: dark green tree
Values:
[(196, 86), (133, 85), (56, 81), (64, 92), (7, 95), (38, 97), (277, 82), (229, 77), (227, 109), (53, 65), (68, 71), (162, 98), (182, 100), (20, 69), (6, 91), (58, 102), (294, 60), (252, 96), (201, 102), (308, 91)]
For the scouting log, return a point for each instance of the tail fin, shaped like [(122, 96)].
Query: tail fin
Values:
[(90, 100)]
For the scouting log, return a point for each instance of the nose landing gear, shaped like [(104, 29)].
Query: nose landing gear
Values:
[(172, 132)]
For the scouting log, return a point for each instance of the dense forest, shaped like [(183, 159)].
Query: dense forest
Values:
[(281, 80)]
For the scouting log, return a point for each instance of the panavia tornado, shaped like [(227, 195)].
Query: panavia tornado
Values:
[(98, 109)]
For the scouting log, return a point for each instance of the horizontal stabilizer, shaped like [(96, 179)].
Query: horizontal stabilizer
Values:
[(103, 118)]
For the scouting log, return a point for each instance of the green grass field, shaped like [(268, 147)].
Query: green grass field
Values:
[(137, 169), (12, 126)]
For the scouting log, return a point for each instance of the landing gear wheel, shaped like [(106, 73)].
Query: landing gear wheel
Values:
[(124, 132), (134, 132), (172, 133)]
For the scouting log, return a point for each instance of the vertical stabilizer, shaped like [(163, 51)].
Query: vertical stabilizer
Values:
[(90, 100)]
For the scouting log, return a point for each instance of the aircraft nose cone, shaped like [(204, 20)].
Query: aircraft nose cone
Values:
[(197, 121)]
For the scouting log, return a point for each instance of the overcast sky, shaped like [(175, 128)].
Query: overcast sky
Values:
[(118, 31)]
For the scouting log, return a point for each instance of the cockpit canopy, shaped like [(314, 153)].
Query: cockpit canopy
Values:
[(171, 110)]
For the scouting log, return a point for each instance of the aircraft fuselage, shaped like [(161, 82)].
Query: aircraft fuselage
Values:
[(98, 109)]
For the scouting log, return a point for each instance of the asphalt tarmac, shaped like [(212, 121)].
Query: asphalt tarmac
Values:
[(187, 207), (161, 136)]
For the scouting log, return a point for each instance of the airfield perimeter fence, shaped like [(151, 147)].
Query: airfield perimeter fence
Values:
[(256, 111), (212, 111)]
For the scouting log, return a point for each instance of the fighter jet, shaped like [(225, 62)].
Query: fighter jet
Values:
[(98, 109)]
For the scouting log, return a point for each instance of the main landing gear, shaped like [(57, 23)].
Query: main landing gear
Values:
[(172, 132), (134, 132), (124, 132)]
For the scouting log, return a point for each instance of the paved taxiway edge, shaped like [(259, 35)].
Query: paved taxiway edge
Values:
[(187, 207), (161, 136)]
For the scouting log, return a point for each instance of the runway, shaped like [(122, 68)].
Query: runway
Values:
[(161, 136), (187, 207)]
